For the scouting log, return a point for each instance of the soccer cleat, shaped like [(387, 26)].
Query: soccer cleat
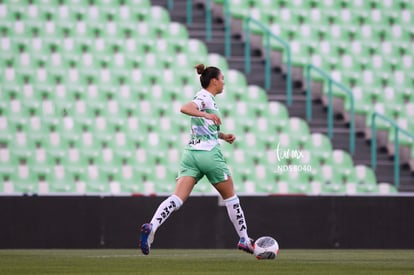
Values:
[(146, 238), (246, 245)]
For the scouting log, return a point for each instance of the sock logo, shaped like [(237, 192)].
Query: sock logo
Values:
[(164, 214), (239, 217)]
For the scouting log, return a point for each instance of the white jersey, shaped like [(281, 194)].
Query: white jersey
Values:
[(204, 133)]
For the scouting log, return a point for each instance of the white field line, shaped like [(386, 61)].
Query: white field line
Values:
[(152, 256)]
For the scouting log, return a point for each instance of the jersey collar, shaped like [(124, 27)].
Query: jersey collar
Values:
[(207, 92)]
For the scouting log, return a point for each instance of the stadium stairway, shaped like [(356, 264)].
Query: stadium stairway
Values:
[(277, 92)]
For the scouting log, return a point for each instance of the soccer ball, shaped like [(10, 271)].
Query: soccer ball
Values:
[(266, 248)]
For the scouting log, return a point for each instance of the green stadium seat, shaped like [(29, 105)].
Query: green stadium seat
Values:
[(279, 116), (365, 175), (386, 188), (261, 173), (299, 188), (256, 94), (238, 8), (176, 35), (62, 187), (367, 188), (343, 159), (327, 174), (320, 147), (217, 60), (6, 186), (282, 186), (298, 130), (238, 156), (289, 182), (131, 186), (24, 186), (158, 17), (7, 167), (333, 188), (24, 178), (100, 187), (236, 80), (305, 160), (204, 187), (268, 188), (167, 187)]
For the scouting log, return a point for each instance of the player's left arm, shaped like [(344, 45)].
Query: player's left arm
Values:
[(230, 138)]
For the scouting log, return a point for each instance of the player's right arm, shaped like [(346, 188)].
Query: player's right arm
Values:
[(191, 109)]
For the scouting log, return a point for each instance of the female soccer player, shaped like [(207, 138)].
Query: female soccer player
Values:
[(202, 157)]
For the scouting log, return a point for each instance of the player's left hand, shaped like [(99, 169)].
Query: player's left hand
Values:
[(230, 138)]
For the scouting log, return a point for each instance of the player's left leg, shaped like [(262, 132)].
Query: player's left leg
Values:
[(183, 189), (165, 209)]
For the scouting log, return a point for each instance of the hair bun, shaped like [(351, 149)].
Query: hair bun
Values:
[(200, 68)]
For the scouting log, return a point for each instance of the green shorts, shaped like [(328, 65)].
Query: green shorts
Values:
[(197, 163)]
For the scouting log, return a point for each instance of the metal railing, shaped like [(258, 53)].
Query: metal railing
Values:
[(268, 35), (227, 18), (331, 82), (170, 4), (208, 22), (397, 131), (208, 19)]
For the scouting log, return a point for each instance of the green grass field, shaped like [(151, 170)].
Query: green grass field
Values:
[(201, 261)]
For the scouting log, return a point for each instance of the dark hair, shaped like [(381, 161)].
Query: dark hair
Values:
[(207, 74)]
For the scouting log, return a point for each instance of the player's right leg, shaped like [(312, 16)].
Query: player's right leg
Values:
[(183, 189), (236, 214), (217, 172)]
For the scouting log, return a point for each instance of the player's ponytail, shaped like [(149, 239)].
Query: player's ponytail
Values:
[(206, 74), (200, 68)]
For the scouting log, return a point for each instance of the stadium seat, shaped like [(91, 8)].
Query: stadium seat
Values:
[(386, 188), (280, 116), (341, 158), (366, 179), (61, 181)]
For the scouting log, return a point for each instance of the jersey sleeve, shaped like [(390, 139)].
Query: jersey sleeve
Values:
[(200, 101)]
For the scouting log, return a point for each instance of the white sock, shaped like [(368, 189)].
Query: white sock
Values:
[(169, 205), (237, 216)]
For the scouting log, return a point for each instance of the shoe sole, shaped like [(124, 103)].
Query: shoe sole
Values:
[(143, 241), (245, 249)]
